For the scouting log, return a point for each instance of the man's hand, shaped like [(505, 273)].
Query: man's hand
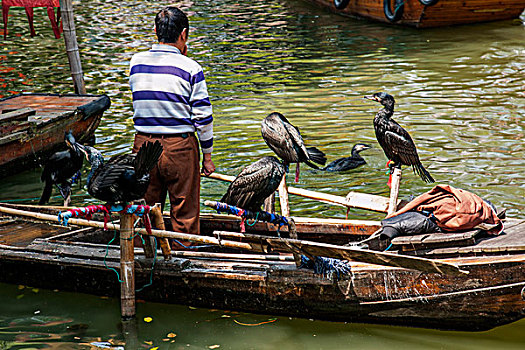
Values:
[(207, 165)]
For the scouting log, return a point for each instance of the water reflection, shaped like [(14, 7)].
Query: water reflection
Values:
[(459, 90), (59, 320)]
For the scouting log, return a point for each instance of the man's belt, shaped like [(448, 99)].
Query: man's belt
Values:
[(184, 135)]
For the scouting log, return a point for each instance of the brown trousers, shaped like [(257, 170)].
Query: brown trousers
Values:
[(178, 174)]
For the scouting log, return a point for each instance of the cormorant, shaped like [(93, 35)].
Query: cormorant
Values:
[(286, 141), (60, 169), (125, 177), (255, 183), (347, 163), (395, 141)]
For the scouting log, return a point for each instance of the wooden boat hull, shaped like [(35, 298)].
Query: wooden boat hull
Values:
[(25, 144), (486, 298), (77, 259), (443, 13)]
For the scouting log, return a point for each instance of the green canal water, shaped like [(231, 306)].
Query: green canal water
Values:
[(460, 92)]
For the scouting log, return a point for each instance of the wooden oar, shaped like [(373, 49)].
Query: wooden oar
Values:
[(349, 253), (264, 244), (352, 200)]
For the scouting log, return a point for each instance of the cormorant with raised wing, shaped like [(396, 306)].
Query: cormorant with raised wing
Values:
[(125, 177), (395, 141), (255, 183), (61, 168), (286, 141), (348, 163)]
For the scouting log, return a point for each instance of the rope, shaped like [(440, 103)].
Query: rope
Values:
[(326, 267), (105, 256), (115, 270), (258, 216), (152, 265), (106, 209), (254, 221), (191, 246)]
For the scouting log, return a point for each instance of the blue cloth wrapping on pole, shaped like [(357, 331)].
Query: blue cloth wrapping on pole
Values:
[(260, 215)]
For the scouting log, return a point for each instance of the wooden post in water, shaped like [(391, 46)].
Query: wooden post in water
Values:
[(394, 190), (127, 267), (158, 223), (283, 197), (70, 39)]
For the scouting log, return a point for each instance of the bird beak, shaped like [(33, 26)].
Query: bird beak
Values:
[(373, 98), (83, 150)]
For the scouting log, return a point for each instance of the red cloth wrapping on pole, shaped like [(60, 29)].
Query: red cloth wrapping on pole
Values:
[(29, 5)]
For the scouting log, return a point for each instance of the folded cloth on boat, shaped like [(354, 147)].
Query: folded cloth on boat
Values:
[(454, 209)]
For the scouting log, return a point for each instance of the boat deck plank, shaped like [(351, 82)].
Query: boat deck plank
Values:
[(21, 233), (46, 104)]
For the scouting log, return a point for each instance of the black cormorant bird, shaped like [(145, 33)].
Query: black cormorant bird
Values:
[(125, 177), (60, 169), (286, 141), (347, 163), (395, 141), (255, 183)]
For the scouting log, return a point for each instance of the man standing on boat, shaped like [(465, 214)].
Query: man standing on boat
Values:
[(171, 103)]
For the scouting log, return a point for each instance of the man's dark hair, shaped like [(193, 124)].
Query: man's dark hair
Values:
[(169, 23)]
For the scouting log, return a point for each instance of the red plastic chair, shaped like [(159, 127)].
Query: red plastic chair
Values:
[(29, 5)]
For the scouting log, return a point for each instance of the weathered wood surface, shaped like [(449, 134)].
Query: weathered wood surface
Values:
[(25, 143), (127, 267), (394, 190), (19, 114), (158, 222), (443, 13), (488, 296), (265, 244), (350, 253), (510, 241)]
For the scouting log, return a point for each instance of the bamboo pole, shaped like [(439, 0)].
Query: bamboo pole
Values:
[(394, 190), (158, 222), (283, 197), (110, 226), (269, 204), (70, 39), (293, 234), (127, 267), (352, 200)]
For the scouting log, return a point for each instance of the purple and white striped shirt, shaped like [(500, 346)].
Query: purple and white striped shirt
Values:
[(170, 95)]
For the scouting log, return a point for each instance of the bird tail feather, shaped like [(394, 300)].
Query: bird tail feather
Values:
[(46, 193), (316, 156), (147, 157), (423, 173)]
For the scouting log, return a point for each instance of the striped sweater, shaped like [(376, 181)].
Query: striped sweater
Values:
[(170, 95)]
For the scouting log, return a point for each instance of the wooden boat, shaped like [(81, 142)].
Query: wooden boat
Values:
[(427, 13), (32, 126), (38, 252)]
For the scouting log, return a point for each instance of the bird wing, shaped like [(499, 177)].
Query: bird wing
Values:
[(401, 145), (254, 184), (105, 183), (277, 138), (297, 141)]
